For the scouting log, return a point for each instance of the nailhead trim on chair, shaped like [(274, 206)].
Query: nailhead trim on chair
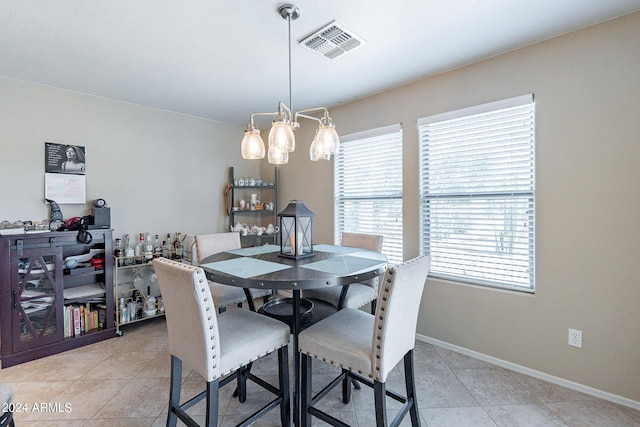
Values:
[(212, 338), (381, 311)]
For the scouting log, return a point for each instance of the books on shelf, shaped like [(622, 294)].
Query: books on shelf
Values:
[(80, 318)]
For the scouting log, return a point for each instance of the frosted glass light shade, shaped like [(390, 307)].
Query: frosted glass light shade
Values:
[(281, 136), (252, 145), (276, 156), (317, 151), (328, 138)]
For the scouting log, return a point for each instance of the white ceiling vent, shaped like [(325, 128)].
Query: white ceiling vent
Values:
[(333, 40)]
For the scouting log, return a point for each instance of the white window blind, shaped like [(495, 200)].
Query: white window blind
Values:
[(368, 187), (477, 188)]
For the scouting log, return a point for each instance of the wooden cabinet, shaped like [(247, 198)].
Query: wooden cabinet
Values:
[(266, 191), (47, 308)]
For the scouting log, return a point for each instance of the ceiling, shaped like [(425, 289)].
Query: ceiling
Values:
[(224, 59)]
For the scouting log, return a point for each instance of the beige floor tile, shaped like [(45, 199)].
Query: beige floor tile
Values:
[(71, 365), (139, 398), (494, 387), (460, 361), (80, 400), (456, 417), (120, 365), (122, 422), (426, 358), (28, 394), (592, 413), (533, 415), (29, 371), (442, 389), (160, 367), (547, 392), (272, 419), (50, 423), (368, 418)]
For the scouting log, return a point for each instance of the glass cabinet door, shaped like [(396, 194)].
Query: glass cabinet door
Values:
[(35, 285)]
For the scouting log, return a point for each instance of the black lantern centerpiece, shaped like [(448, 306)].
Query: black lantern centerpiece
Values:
[(296, 231)]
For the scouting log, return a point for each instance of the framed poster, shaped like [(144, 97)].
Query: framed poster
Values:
[(67, 159)]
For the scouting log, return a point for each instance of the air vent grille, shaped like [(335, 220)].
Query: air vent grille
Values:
[(333, 40)]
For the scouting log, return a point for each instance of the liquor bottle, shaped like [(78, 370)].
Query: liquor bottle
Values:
[(157, 247), (124, 312), (118, 252), (150, 303), (148, 249), (139, 250), (129, 252), (178, 247), (166, 248)]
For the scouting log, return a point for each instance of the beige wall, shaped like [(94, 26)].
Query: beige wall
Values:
[(160, 172), (587, 93)]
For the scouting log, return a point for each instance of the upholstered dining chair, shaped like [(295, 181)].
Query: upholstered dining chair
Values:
[(223, 295), (357, 294), (6, 412), (219, 347), (367, 347)]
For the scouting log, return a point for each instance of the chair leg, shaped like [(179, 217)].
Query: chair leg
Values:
[(213, 391), (241, 381), (306, 393), (283, 380), (174, 390), (346, 386), (410, 383), (380, 392), (373, 306)]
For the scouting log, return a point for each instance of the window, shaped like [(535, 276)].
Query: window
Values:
[(477, 193), (368, 187)]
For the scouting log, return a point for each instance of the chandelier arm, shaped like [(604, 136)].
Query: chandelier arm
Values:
[(298, 114), (326, 119), (252, 122)]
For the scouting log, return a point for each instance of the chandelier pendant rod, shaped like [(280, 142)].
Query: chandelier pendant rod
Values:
[(290, 97)]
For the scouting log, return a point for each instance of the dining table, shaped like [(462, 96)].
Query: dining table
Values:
[(262, 267)]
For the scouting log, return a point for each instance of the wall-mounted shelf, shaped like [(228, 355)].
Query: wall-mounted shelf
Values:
[(267, 193)]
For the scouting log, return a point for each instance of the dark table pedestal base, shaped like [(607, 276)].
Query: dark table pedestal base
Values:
[(311, 311)]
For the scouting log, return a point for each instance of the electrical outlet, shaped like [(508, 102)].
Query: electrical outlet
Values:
[(575, 338)]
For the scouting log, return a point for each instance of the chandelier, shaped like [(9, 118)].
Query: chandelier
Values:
[(281, 139)]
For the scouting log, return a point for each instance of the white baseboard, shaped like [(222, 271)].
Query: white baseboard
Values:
[(533, 373)]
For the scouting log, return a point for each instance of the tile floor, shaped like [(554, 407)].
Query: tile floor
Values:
[(124, 382)]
